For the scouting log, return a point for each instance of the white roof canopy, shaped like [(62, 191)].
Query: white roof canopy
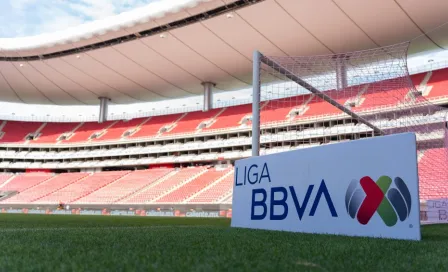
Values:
[(187, 42)]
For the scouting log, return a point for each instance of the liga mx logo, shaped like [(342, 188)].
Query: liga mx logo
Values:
[(373, 197)]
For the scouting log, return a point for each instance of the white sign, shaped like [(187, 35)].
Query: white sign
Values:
[(437, 210), (202, 214), (367, 187)]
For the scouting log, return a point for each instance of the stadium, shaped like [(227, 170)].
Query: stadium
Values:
[(138, 119)]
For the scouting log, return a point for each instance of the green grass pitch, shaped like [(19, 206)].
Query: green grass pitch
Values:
[(113, 243)]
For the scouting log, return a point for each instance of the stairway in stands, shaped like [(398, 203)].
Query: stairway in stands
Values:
[(165, 186), (125, 186), (82, 187), (215, 191), (24, 182), (193, 186), (45, 188)]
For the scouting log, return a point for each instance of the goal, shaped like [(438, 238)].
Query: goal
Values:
[(305, 101)]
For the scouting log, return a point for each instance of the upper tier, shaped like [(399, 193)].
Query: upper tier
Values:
[(361, 98)]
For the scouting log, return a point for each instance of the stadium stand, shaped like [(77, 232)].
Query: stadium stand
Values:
[(180, 184), (188, 189), (375, 95), (318, 107), (15, 132), (125, 186), (52, 131), (433, 184), (165, 185), (5, 178), (438, 83), (86, 130), (116, 131), (154, 125), (231, 117), (190, 123), (45, 188), (280, 111), (216, 191), (23, 182), (82, 187), (382, 94)]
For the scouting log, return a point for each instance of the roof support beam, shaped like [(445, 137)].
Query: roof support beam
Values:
[(341, 71), (104, 103), (208, 95)]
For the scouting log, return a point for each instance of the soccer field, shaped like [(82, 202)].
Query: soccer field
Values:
[(108, 243)]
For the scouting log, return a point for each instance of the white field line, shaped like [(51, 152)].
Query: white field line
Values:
[(6, 230)]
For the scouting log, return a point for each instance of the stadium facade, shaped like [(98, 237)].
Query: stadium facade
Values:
[(184, 159)]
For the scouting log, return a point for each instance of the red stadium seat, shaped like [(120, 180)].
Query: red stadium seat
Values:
[(15, 132), (52, 131), (438, 83), (116, 131), (86, 130), (192, 120), (155, 124), (231, 117)]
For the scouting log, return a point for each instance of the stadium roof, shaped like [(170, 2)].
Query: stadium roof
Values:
[(168, 48)]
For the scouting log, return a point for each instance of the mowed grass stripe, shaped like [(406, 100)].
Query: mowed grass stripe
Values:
[(69, 221), (96, 228), (100, 243)]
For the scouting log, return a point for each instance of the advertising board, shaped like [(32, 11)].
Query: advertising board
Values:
[(366, 187), (437, 210)]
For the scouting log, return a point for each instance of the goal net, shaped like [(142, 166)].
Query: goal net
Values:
[(307, 101)]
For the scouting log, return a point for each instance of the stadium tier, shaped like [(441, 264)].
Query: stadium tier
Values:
[(166, 185), (433, 86), (162, 142)]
